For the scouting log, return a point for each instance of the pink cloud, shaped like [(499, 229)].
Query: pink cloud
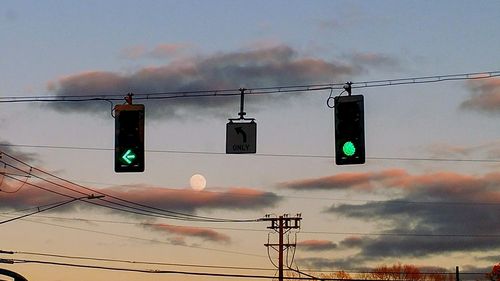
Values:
[(356, 180), (37, 192), (190, 200), (436, 185), (485, 95)]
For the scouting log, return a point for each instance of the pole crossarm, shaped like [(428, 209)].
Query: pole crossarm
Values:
[(282, 225)]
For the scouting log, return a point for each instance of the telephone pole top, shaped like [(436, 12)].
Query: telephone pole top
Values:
[(282, 225)]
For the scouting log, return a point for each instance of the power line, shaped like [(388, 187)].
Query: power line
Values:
[(128, 209), (254, 91), (328, 157), (155, 271), (47, 208), (155, 241), (395, 234), (100, 259), (287, 196), (142, 209), (135, 262), (149, 271)]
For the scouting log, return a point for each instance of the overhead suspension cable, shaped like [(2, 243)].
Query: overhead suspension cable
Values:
[(258, 154), (252, 91)]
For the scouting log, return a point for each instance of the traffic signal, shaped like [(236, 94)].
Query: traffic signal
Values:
[(129, 138), (349, 130)]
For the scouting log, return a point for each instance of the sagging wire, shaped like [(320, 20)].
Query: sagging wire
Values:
[(52, 206), (112, 107), (289, 264), (330, 98), (346, 89), (22, 184), (258, 90), (143, 209), (268, 253), (3, 174)]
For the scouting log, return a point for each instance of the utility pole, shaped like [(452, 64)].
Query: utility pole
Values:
[(282, 225)]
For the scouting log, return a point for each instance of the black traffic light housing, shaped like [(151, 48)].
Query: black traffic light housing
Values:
[(129, 138), (349, 130)]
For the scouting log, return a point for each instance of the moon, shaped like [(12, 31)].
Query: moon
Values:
[(198, 182)]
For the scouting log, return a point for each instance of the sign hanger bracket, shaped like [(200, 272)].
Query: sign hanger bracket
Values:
[(242, 112)]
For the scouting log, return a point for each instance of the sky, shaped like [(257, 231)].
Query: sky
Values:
[(428, 194)]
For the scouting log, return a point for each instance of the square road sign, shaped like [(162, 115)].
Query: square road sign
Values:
[(241, 138)]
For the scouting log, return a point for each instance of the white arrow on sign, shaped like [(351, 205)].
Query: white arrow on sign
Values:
[(241, 138)]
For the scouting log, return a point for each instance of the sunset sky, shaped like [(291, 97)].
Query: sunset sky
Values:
[(429, 193)]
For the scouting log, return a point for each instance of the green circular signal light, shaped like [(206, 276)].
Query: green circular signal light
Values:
[(348, 148)]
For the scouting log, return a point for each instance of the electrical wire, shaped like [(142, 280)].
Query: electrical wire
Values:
[(268, 245), (328, 157), (40, 209), (390, 201), (3, 173), (306, 274), (172, 214), (127, 209), (155, 271), (149, 271), (17, 189), (352, 271), (141, 210), (155, 241), (52, 206), (254, 91), (133, 261), (398, 234)]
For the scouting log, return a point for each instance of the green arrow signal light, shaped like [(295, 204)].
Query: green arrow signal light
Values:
[(348, 148), (128, 157)]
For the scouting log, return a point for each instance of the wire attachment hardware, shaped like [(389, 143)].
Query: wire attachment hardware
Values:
[(128, 98), (348, 88), (242, 112)]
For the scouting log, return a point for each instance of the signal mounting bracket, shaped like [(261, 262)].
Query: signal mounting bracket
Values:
[(348, 88), (242, 113)]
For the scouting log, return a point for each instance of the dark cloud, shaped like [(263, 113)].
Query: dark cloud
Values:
[(279, 65), (180, 232), (329, 263), (464, 207), (6, 148), (485, 96), (352, 242), (316, 245)]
